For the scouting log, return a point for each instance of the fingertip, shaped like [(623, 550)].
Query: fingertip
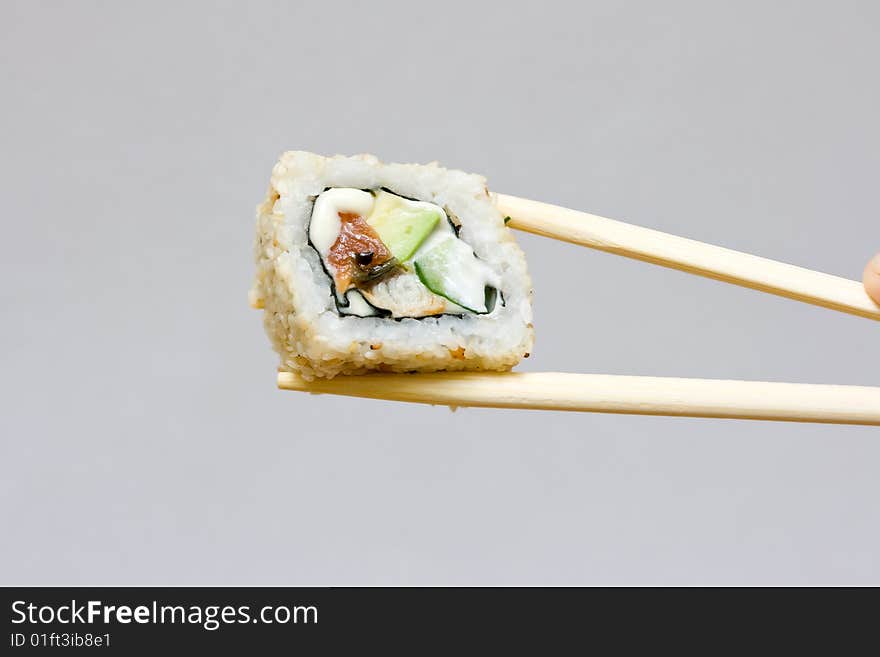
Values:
[(872, 278)]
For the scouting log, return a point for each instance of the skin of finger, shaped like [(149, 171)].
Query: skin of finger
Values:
[(872, 278)]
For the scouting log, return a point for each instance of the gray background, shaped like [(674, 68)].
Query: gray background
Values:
[(143, 440)]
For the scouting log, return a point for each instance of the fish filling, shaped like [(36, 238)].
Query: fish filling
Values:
[(391, 256)]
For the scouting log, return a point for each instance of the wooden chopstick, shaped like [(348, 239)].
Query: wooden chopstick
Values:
[(688, 255), (601, 393), (753, 400)]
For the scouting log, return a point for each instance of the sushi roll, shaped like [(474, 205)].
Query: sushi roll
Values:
[(364, 266)]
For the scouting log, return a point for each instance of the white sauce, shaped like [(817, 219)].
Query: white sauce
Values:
[(357, 305)]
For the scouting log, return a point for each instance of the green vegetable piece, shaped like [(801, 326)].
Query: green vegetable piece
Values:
[(400, 225), (452, 271)]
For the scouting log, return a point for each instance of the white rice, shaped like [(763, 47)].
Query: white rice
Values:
[(300, 315)]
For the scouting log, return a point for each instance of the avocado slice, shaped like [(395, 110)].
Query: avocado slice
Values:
[(401, 224)]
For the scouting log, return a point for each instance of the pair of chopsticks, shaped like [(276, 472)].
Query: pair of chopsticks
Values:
[(632, 394)]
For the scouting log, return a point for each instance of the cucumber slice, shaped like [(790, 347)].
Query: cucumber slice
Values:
[(401, 224), (451, 270)]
